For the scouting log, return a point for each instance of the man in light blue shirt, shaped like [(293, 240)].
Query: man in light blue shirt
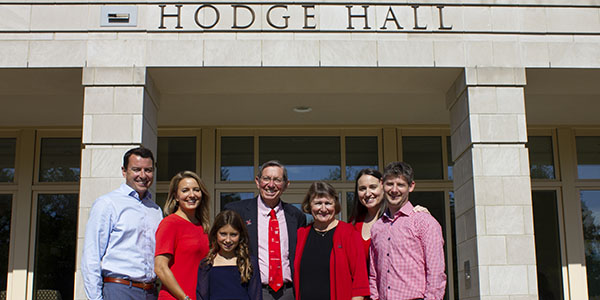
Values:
[(118, 252)]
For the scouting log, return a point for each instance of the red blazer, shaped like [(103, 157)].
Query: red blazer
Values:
[(347, 264)]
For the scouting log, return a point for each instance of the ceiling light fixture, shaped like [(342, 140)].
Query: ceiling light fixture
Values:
[(302, 109)]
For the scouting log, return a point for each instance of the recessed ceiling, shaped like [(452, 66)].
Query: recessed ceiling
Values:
[(194, 97), (41, 97), (337, 96), (563, 97)]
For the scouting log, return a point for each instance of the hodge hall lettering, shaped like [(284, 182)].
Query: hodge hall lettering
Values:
[(302, 17)]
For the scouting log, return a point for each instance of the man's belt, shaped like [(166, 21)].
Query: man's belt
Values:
[(141, 285)]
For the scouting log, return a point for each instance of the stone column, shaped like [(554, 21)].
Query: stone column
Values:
[(119, 113), (494, 217)]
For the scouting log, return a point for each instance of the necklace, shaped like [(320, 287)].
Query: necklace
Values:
[(321, 233), (327, 229)]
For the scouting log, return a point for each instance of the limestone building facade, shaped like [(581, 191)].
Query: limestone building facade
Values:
[(495, 103)]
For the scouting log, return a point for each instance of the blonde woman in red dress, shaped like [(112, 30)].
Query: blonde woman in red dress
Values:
[(181, 237)]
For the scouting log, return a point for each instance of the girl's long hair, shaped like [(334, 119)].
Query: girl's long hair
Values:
[(242, 252), (359, 211), (202, 211)]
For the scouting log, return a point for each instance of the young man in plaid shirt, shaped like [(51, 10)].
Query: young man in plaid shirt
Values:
[(407, 248)]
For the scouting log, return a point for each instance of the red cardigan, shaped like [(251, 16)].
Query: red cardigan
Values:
[(347, 263)]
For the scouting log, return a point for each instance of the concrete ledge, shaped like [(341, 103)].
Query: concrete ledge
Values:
[(114, 76), (495, 76)]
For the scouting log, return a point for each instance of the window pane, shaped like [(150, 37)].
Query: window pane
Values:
[(547, 244), (8, 149), (588, 157), (434, 201), (306, 157), (5, 213), (232, 197), (161, 199), (590, 211), (56, 236), (450, 161), (424, 154), (361, 152), (309, 217), (350, 199), (237, 158), (60, 159), (454, 253), (175, 154), (541, 159)]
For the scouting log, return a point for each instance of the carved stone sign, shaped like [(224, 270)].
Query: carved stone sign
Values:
[(302, 17)]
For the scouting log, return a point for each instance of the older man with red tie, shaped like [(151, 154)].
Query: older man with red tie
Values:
[(272, 226)]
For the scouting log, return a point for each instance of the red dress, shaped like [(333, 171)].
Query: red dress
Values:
[(188, 244), (366, 243)]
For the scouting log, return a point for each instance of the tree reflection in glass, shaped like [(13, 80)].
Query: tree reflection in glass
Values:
[(588, 157), (237, 158), (590, 213), (541, 159), (7, 159), (5, 214), (175, 154), (56, 236), (424, 154), (305, 157), (361, 153), (449, 158), (232, 197), (60, 159)]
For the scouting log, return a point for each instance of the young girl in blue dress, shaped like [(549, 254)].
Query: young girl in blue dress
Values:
[(228, 271)]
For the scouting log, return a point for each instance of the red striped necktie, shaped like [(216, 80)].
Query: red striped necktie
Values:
[(275, 272)]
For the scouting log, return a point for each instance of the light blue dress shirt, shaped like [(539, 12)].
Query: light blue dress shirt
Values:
[(119, 239)]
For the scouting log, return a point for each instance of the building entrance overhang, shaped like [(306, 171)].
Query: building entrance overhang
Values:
[(268, 96), (337, 96)]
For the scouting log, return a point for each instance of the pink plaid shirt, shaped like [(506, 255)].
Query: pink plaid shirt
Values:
[(407, 257)]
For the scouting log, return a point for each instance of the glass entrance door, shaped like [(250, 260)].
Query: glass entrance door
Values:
[(547, 244), (590, 214)]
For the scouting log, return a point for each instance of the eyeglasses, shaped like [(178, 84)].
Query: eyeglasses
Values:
[(267, 179)]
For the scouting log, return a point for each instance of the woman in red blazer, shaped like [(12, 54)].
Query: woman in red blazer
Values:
[(330, 261)]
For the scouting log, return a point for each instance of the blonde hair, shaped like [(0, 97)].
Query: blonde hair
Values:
[(202, 211), (242, 252)]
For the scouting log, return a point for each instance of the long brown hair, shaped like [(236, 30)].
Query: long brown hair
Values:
[(202, 211), (242, 252), (359, 211)]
